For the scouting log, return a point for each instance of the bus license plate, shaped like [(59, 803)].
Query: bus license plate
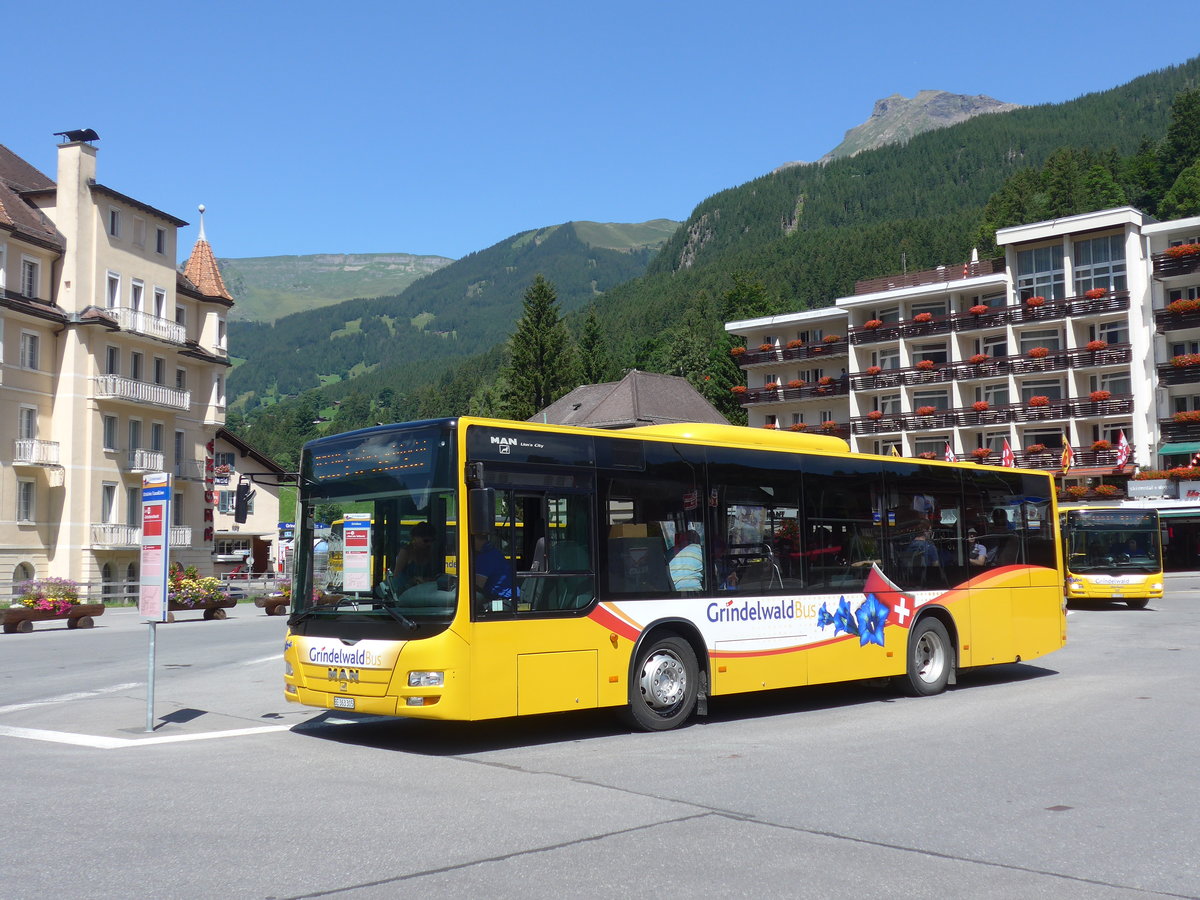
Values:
[(343, 702), (1116, 595)]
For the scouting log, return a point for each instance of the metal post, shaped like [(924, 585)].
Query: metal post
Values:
[(150, 680)]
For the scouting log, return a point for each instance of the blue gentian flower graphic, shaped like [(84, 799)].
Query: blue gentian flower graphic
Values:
[(872, 616), (823, 617), (843, 619)]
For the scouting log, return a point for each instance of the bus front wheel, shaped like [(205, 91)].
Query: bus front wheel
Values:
[(1137, 602), (930, 659), (662, 691)]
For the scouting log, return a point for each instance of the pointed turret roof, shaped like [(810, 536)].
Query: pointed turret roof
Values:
[(201, 267)]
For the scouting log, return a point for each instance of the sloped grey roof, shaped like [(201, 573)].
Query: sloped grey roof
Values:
[(640, 398)]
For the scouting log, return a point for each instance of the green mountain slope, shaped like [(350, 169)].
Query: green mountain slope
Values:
[(457, 311), (270, 287)]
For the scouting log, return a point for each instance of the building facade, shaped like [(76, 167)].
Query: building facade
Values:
[(112, 365), (1086, 330)]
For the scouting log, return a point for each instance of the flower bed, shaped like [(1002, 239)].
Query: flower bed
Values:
[(1190, 415), (1106, 490), (45, 599), (186, 589)]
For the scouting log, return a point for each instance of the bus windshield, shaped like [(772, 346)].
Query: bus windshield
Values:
[(1111, 540), (388, 558)]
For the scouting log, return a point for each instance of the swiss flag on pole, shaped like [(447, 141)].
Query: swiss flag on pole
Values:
[(949, 457), (1122, 450), (1006, 456)]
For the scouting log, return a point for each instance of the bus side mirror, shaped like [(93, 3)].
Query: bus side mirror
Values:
[(241, 502), (481, 509)]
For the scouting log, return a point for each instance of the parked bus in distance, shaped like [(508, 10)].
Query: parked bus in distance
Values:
[(1112, 553), (653, 568)]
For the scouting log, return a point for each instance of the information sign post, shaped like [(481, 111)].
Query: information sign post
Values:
[(156, 544)]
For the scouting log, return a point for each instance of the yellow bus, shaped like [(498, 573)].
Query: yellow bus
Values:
[(1112, 553), (653, 568)]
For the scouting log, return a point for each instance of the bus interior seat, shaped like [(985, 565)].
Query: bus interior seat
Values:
[(554, 592), (637, 565)]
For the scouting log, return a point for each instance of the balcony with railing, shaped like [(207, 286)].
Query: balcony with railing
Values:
[(189, 469), (1175, 261), (940, 275), (830, 428), (118, 387), (819, 351), (835, 387), (1183, 426), (143, 461), (32, 452), (1177, 316), (143, 323), (112, 536)]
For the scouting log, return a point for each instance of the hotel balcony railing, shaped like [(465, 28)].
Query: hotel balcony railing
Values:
[(1172, 431), (941, 372), (143, 461), (1018, 313), (819, 350), (888, 378), (930, 276), (808, 392), (117, 387), (1166, 320), (1050, 459), (140, 322), (189, 469), (32, 452), (1169, 374), (1166, 266), (838, 429), (997, 366), (124, 536)]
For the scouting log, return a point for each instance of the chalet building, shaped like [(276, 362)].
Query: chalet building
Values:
[(112, 365), (1087, 329), (252, 546)]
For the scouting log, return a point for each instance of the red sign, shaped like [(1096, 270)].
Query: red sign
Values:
[(152, 520)]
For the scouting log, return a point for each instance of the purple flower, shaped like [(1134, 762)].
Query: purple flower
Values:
[(872, 616)]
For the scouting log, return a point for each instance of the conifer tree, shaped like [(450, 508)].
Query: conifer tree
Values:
[(1183, 199), (542, 364), (595, 361)]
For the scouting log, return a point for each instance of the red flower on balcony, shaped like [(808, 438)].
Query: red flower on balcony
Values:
[(799, 426), (1179, 307), (873, 370), (927, 454), (736, 351), (926, 365), (1184, 360), (1095, 293), (1183, 250), (826, 380), (1077, 491), (978, 309), (829, 425), (765, 347), (1191, 415), (738, 389), (1039, 401), (1106, 490), (874, 415), (831, 338), (771, 386), (922, 318), (981, 406), (981, 452), (873, 324), (795, 345), (795, 383), (1039, 352), (1035, 302), (978, 358), (926, 410), (1101, 445), (1099, 396), (1095, 346), (1036, 448)]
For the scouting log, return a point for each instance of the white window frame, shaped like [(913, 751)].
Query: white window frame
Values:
[(31, 276), (136, 434), (108, 502), (1105, 273), (137, 365), (30, 350), (1050, 338), (159, 370), (114, 222), (222, 336), (27, 422), (139, 231), (1052, 388), (1041, 272), (108, 432), (26, 501), (133, 506), (160, 302), (112, 290), (158, 436), (137, 295), (181, 379)]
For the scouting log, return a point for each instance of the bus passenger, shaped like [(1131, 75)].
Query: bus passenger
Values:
[(414, 562), (493, 574), (687, 565), (976, 552)]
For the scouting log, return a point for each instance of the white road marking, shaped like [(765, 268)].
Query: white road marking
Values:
[(67, 698), (113, 743)]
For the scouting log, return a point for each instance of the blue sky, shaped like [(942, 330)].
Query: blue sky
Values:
[(309, 127)]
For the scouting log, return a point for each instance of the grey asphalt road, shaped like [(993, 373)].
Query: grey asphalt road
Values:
[(1070, 776)]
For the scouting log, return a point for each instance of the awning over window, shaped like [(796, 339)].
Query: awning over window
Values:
[(1176, 449)]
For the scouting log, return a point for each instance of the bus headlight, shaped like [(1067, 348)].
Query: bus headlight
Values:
[(1074, 584), (1156, 586), (287, 668), (426, 679)]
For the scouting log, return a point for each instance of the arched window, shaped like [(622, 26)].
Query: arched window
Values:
[(22, 573), (108, 589), (131, 581)]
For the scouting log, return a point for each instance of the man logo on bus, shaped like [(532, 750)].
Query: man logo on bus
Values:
[(343, 675)]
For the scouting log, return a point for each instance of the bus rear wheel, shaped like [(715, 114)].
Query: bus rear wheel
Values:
[(930, 659), (664, 685)]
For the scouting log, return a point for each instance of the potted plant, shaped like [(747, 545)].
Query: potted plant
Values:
[(186, 589), (738, 389), (829, 425), (1039, 400), (1035, 302), (872, 324), (978, 309), (1191, 415), (981, 406), (736, 351), (771, 386), (1077, 492), (770, 426), (981, 453), (1101, 445), (795, 383), (926, 365), (1035, 449), (795, 345), (1184, 360), (1183, 306), (766, 347), (927, 454), (825, 380), (926, 410), (43, 599), (1096, 346), (873, 370), (978, 359), (875, 415), (1106, 490), (798, 426), (1100, 396), (1039, 352), (922, 318), (831, 338), (1182, 251), (1095, 293)]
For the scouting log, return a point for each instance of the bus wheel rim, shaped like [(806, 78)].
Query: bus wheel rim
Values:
[(663, 682), (931, 658)]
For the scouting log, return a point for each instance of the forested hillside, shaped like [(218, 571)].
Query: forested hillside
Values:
[(800, 237), (406, 339)]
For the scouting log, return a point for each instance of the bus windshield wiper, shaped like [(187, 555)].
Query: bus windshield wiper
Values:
[(398, 616)]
